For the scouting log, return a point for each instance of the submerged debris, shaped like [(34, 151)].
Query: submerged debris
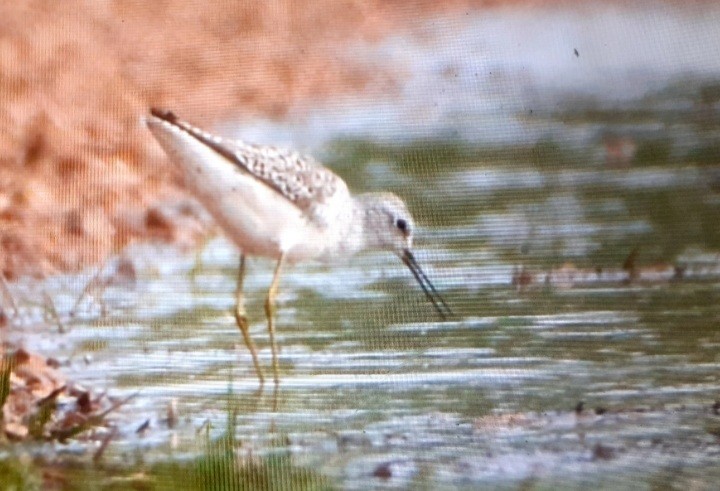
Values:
[(568, 275), (602, 452)]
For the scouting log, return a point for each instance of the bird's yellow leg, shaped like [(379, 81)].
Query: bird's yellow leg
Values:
[(242, 322), (270, 312)]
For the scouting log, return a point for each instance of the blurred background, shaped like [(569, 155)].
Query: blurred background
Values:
[(562, 160)]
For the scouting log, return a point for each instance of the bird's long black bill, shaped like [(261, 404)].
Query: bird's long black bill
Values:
[(430, 292)]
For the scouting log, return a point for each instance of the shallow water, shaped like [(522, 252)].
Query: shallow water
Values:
[(375, 390)]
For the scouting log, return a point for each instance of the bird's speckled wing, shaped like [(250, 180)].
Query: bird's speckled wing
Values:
[(299, 178)]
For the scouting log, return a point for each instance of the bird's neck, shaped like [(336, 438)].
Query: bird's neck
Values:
[(346, 237), (355, 237), (366, 222)]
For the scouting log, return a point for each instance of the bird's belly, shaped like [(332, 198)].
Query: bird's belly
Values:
[(260, 221)]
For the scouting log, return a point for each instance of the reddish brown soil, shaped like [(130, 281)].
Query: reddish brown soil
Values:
[(80, 177)]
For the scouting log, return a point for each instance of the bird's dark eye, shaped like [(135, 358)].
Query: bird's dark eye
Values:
[(401, 224)]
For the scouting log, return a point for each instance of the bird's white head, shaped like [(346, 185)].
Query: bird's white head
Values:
[(388, 225), (387, 222)]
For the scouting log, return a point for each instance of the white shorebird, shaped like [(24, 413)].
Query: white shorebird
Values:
[(281, 205)]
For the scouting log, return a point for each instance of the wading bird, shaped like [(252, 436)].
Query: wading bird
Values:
[(281, 205)]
